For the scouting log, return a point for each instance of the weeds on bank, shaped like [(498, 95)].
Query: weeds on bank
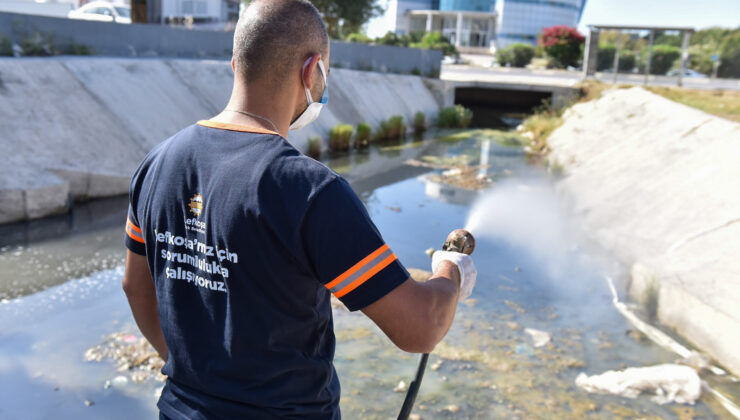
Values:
[(722, 103), (339, 137), (314, 147), (420, 123), (363, 135), (455, 117)]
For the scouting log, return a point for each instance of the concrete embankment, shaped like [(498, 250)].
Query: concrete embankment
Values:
[(76, 128), (658, 183)]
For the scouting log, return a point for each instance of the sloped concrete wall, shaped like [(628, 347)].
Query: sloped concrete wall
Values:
[(77, 128), (658, 183)]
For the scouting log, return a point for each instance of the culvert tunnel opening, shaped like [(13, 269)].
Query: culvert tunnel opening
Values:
[(499, 108)]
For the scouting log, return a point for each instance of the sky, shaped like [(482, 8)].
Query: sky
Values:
[(698, 14)]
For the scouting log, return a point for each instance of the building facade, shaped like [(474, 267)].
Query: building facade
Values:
[(470, 25), (521, 21), (478, 25)]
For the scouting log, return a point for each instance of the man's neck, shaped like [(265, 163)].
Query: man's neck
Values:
[(268, 109)]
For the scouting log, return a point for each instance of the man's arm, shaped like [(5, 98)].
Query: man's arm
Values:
[(416, 316), (142, 298)]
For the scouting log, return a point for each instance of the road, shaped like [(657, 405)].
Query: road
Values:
[(565, 78)]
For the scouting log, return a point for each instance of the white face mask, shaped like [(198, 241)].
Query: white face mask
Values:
[(314, 108)]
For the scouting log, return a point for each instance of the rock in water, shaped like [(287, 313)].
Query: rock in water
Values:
[(540, 338), (401, 387), (669, 383)]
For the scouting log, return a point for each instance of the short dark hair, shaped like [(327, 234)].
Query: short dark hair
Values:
[(272, 37)]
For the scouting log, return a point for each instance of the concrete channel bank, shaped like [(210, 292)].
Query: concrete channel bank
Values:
[(76, 128), (658, 183)]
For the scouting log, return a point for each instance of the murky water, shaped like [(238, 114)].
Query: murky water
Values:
[(60, 291)]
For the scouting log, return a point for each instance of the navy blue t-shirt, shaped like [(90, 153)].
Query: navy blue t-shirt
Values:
[(246, 238)]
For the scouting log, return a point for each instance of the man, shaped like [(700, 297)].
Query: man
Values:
[(236, 240)]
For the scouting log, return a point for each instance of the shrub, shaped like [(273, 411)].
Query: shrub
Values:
[(391, 38), (663, 58), (362, 135), (605, 57), (562, 45), (396, 127), (77, 49), (627, 61), (381, 133), (730, 56), (6, 47), (515, 55), (420, 123), (455, 117), (314, 147), (415, 71), (339, 137), (358, 37), (39, 44), (435, 41)]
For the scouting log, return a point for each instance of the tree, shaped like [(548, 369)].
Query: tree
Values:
[(344, 17), (562, 44), (730, 56)]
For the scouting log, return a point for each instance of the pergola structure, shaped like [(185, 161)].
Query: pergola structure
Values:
[(592, 46)]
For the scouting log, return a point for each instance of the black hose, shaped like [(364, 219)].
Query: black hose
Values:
[(408, 403)]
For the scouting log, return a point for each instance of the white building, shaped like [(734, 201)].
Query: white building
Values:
[(477, 25), (523, 20)]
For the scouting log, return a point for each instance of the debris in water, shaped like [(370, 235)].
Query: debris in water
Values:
[(669, 383), (414, 416), (89, 403), (540, 338), (515, 306), (401, 387), (463, 176), (133, 354), (392, 208), (106, 385), (517, 269), (437, 365), (524, 349), (452, 408)]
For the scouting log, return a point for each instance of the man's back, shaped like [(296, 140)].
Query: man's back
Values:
[(246, 322)]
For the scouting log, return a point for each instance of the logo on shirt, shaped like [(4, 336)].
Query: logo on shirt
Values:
[(196, 205)]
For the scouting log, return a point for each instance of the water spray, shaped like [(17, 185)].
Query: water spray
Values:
[(459, 240)]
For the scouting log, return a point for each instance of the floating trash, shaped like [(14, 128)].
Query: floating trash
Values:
[(133, 354), (540, 338), (669, 383)]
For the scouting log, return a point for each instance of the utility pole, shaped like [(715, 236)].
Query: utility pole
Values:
[(616, 56), (684, 56), (649, 56)]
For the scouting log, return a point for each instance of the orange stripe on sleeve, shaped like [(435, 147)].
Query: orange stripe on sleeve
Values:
[(363, 278), (133, 236), (133, 226), (357, 266)]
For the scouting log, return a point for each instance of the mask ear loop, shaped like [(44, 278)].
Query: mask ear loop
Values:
[(305, 89), (323, 74)]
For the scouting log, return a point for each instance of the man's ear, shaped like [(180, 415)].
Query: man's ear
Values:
[(233, 65), (309, 70)]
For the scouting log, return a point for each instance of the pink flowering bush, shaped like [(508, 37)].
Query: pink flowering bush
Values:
[(562, 44)]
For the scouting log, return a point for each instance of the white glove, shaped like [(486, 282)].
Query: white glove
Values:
[(464, 264)]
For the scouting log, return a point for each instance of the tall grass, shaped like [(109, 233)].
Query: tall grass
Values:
[(339, 137), (455, 117), (314, 147), (420, 123), (396, 127), (362, 135)]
